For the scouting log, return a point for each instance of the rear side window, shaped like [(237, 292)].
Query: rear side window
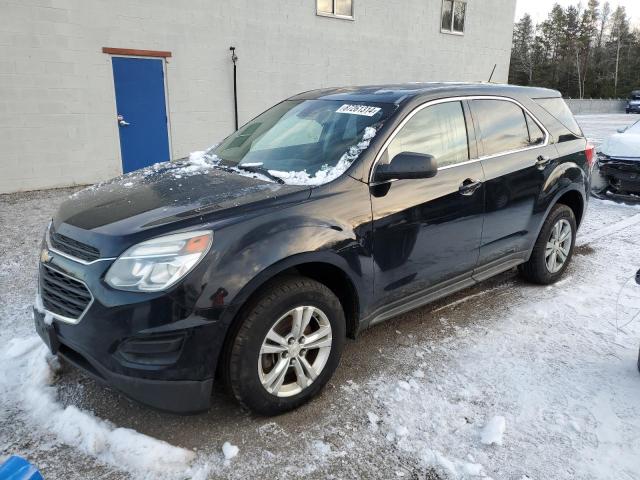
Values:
[(558, 109), (503, 126), (439, 130)]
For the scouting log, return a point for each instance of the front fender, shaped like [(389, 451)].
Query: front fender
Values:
[(261, 254)]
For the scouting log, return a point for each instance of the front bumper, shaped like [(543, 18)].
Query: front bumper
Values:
[(177, 396), (157, 349), (622, 177)]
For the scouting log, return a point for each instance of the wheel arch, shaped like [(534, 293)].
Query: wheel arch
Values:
[(575, 201), (324, 268), (574, 198)]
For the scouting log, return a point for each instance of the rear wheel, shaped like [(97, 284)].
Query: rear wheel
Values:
[(287, 347), (553, 249)]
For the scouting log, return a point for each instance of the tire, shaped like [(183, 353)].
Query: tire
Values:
[(246, 367), (537, 270)]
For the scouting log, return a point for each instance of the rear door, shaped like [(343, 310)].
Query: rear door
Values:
[(427, 231), (515, 155)]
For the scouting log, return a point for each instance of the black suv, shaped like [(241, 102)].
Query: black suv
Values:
[(334, 210)]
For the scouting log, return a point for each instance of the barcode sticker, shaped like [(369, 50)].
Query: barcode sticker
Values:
[(365, 110)]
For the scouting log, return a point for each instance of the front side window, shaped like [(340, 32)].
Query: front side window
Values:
[(304, 141), (504, 126), (439, 130), (453, 16), (335, 8)]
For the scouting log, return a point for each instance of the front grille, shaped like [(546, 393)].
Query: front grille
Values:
[(72, 247), (63, 295)]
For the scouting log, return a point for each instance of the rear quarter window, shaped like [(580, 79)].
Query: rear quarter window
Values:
[(557, 108)]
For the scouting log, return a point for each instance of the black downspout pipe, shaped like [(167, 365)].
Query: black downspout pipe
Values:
[(234, 59)]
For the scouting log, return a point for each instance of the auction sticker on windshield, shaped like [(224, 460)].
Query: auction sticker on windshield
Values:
[(365, 110)]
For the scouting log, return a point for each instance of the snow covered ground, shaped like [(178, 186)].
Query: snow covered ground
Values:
[(504, 380)]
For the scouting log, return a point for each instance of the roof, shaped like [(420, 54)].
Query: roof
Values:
[(399, 93)]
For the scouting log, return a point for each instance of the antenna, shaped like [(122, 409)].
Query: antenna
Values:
[(492, 72)]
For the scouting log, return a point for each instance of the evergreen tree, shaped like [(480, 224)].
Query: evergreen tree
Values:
[(583, 53)]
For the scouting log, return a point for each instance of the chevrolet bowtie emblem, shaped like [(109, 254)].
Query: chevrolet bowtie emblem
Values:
[(45, 256)]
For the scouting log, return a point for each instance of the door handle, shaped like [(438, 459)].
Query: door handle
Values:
[(542, 161), (469, 186)]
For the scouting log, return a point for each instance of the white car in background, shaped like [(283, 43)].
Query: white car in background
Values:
[(619, 165)]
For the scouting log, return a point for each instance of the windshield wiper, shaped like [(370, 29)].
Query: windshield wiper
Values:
[(260, 170)]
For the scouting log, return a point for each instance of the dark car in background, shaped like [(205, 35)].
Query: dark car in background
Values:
[(329, 213), (633, 104)]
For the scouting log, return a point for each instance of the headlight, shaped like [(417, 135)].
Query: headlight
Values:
[(602, 158), (159, 263)]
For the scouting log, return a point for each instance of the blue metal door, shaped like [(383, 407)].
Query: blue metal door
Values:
[(142, 113)]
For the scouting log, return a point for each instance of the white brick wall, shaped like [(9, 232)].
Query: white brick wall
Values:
[(57, 104)]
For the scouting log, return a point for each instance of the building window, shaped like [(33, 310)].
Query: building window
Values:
[(453, 13), (335, 8)]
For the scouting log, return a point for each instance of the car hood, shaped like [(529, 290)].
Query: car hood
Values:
[(622, 145), (168, 193)]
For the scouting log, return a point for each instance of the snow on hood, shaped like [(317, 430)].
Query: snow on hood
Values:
[(623, 145)]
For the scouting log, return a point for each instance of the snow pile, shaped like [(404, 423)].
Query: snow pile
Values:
[(229, 451), (327, 174), (492, 432), (27, 373), (321, 448)]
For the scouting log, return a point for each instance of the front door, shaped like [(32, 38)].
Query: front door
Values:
[(142, 112), (427, 231)]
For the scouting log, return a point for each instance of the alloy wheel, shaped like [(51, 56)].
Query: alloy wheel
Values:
[(295, 351), (558, 246)]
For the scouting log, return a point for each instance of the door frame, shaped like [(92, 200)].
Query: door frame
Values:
[(468, 111), (148, 55)]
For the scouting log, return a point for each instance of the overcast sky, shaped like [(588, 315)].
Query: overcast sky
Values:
[(538, 9)]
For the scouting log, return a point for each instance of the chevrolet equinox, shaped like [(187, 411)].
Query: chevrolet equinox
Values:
[(249, 264)]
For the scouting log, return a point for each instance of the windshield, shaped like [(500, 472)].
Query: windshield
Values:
[(304, 141)]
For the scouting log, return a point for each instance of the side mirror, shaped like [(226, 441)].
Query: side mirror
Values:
[(407, 165), (622, 129)]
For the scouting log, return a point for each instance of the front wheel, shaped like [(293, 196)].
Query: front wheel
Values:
[(553, 249), (287, 347)]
